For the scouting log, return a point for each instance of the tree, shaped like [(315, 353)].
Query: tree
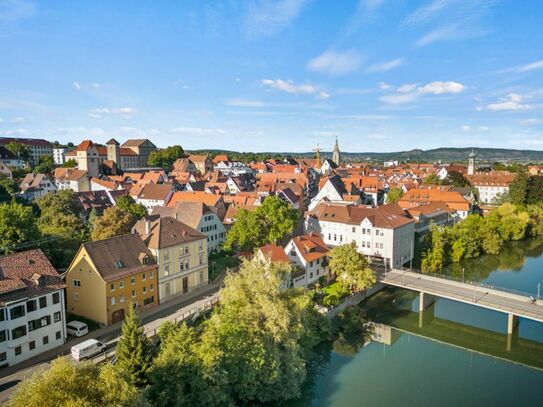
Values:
[(351, 268), (268, 223), (127, 204), (17, 226), (59, 215), (71, 163), (518, 189), (20, 150), (134, 349), (261, 337), (85, 384), (9, 185), (435, 256), (457, 179), (534, 192), (113, 222), (394, 195), (46, 165), (432, 179), (166, 157)]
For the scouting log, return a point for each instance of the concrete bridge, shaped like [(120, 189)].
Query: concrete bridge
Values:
[(513, 304)]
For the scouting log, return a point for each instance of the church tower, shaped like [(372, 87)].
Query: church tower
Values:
[(471, 163), (114, 152), (336, 154)]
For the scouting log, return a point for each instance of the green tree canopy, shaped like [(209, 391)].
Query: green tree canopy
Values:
[(71, 163), (17, 226), (268, 223), (518, 189), (46, 165), (59, 215), (457, 179), (351, 268), (166, 157), (85, 384), (127, 204), (134, 349), (394, 195), (113, 222), (20, 150)]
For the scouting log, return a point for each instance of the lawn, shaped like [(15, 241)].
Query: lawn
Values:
[(218, 263)]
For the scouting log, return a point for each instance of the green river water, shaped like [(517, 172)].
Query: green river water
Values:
[(453, 354)]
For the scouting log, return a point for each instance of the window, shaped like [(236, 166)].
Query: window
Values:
[(363, 231), (112, 287), (17, 312), (56, 316), (32, 345), (151, 274), (377, 232), (18, 351), (201, 259), (56, 298), (354, 229), (143, 277), (133, 293), (144, 290), (3, 356), (201, 276), (43, 302), (121, 284), (146, 260), (18, 332), (58, 335), (2, 315), (121, 298), (119, 264), (167, 255), (151, 287), (76, 283), (31, 306), (149, 300), (132, 280), (112, 300), (335, 237), (45, 340), (2, 336)]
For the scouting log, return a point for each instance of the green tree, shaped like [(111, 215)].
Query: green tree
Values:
[(20, 150), (261, 337), (71, 163), (134, 349), (432, 179), (534, 192), (457, 179), (85, 384), (518, 189), (9, 185), (17, 226), (127, 204), (435, 256), (394, 195), (59, 215), (113, 222), (351, 268), (268, 223), (166, 157), (46, 165)]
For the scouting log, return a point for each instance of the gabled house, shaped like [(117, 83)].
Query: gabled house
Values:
[(310, 254), (72, 179), (154, 195), (5, 171), (34, 186), (108, 276), (180, 252)]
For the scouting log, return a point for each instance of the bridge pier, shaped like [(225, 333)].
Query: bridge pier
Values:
[(512, 323), (425, 300), (426, 316)]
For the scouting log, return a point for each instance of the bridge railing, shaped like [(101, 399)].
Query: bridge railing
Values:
[(470, 282)]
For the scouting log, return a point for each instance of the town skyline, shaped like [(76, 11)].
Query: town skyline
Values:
[(379, 75)]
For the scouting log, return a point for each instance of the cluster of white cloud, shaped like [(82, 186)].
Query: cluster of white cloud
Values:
[(385, 66), (336, 63), (289, 86), (469, 129), (267, 17), (124, 112), (512, 101), (411, 91)]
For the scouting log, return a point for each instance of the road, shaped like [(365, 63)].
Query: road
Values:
[(485, 297), (176, 310)]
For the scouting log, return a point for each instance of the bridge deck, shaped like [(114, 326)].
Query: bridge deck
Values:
[(509, 303)]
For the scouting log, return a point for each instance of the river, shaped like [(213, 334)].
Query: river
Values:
[(452, 354)]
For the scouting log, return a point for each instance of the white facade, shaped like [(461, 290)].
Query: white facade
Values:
[(312, 270), (488, 193), (395, 245), (151, 203), (58, 155), (211, 225), (31, 326)]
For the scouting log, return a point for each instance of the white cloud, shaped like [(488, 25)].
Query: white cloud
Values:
[(124, 112), (410, 91), (468, 128), (336, 63), (197, 131), (245, 103), (289, 86), (15, 132), (238, 80), (525, 68), (439, 87), (77, 85), (267, 17), (426, 13), (465, 128), (374, 4), (384, 86), (1, 120), (386, 66), (96, 85), (531, 122), (12, 10), (512, 101)]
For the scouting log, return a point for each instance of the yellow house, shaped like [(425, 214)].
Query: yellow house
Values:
[(180, 252), (107, 276)]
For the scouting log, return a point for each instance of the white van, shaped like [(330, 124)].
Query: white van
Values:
[(77, 328), (87, 349)]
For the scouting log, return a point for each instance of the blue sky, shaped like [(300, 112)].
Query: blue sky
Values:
[(285, 75)]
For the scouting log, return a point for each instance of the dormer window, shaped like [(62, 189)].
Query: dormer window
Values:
[(119, 264)]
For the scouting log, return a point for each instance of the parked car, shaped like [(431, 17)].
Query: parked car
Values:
[(87, 349), (77, 328)]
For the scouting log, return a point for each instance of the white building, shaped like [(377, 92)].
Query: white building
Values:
[(72, 179), (334, 190), (37, 147), (58, 155), (310, 254), (384, 232), (154, 195), (34, 186), (32, 316), (490, 186)]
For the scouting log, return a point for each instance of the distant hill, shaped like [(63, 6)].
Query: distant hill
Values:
[(443, 154)]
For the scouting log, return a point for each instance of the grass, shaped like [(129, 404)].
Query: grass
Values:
[(219, 263)]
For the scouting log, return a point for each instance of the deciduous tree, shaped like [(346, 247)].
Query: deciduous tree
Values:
[(17, 226), (351, 268), (166, 157), (113, 222), (394, 195)]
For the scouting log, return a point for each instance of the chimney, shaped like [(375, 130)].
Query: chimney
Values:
[(147, 225)]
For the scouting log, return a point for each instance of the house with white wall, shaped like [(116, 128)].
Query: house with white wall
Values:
[(310, 254)]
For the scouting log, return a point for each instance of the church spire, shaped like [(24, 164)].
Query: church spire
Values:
[(336, 157)]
